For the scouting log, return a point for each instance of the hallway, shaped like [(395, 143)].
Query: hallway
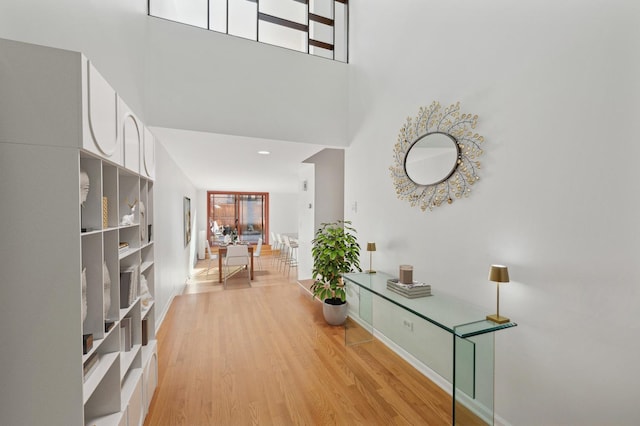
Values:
[(264, 355)]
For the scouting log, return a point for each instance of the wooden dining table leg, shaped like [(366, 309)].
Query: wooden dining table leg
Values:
[(219, 268)]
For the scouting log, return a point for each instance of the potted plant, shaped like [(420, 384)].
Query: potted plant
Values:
[(335, 251)]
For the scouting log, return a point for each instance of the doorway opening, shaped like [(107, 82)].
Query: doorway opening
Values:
[(243, 213)]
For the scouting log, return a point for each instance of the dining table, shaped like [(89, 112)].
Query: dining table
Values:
[(222, 252)]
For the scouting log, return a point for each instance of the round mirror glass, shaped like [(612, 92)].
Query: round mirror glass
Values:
[(431, 159)]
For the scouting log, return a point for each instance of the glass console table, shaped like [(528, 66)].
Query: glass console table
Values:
[(450, 336)]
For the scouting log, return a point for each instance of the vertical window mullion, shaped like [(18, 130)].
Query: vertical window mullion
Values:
[(308, 27), (333, 16)]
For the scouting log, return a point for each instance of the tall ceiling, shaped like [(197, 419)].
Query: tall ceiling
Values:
[(227, 162)]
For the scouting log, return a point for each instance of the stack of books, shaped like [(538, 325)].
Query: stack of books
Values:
[(129, 286), (410, 291)]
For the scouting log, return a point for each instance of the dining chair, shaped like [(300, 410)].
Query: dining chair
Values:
[(237, 255), (208, 253), (275, 246), (257, 251)]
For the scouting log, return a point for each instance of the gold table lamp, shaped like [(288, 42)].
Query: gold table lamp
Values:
[(371, 247), (498, 274)]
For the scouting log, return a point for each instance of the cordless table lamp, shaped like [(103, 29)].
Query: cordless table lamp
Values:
[(498, 274), (371, 247)]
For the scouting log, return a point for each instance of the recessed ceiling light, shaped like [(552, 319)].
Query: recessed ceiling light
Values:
[(264, 152)]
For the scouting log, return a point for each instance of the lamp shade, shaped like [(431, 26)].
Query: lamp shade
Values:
[(371, 246), (499, 274)]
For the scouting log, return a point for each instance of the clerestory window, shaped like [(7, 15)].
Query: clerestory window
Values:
[(316, 27)]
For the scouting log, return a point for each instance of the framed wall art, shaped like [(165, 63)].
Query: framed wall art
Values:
[(187, 220)]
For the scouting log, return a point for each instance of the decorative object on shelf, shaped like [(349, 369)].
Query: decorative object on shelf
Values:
[(406, 274), (105, 212), (145, 294), (149, 233), (83, 306), (498, 274), (143, 221), (435, 156), (411, 291), (129, 219), (84, 187), (84, 191), (371, 247), (123, 245), (186, 205), (108, 325), (335, 251), (106, 285)]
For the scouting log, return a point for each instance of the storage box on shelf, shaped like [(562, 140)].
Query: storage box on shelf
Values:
[(62, 129)]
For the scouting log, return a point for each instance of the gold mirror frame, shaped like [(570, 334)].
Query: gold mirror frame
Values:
[(450, 121)]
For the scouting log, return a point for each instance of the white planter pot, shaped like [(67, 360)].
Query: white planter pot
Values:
[(334, 314)]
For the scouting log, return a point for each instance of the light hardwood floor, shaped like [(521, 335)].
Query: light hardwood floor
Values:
[(265, 356)]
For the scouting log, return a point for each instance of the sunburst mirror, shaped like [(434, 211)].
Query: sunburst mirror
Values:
[(435, 157)]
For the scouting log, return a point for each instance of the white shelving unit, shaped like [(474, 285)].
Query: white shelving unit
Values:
[(62, 118)]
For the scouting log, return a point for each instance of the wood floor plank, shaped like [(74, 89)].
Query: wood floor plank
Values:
[(263, 355)]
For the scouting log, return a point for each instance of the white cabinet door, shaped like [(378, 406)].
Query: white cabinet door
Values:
[(135, 416), (130, 129), (148, 155), (100, 117), (150, 381)]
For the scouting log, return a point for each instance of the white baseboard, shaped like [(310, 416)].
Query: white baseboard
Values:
[(159, 318)]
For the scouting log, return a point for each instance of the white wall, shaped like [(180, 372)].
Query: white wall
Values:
[(172, 258), (207, 81), (556, 87), (306, 219), (329, 185), (177, 76), (283, 213), (111, 34)]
